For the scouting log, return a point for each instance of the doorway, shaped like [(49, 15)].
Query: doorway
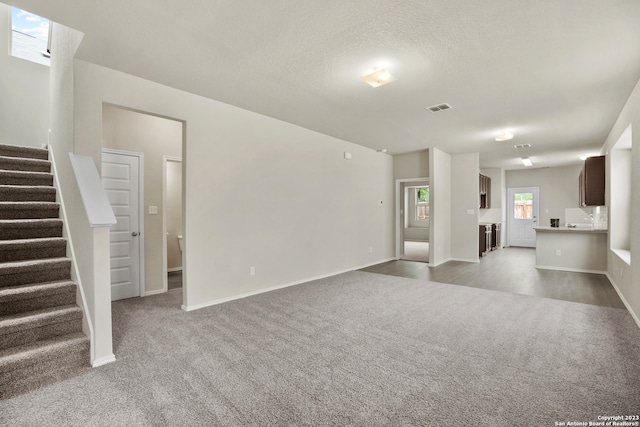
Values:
[(122, 179), (523, 216), (172, 222), (413, 220)]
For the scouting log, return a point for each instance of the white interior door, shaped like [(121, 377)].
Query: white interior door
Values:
[(523, 216), (121, 181)]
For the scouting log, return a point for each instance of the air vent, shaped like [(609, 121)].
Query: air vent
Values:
[(439, 107), (522, 146)]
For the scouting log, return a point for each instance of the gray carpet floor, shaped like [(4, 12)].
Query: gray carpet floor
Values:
[(416, 251), (357, 349)]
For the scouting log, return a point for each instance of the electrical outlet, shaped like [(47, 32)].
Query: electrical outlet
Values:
[(252, 271), (558, 252)]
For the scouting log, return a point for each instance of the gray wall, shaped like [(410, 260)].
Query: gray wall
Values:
[(558, 189)]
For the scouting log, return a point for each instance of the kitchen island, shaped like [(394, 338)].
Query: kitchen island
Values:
[(581, 249)]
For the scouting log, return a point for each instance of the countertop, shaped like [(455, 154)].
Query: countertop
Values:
[(572, 230)]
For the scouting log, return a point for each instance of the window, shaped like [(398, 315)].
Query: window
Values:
[(29, 36), (422, 203), (523, 206)]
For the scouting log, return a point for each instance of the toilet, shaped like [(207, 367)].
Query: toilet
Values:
[(180, 242)]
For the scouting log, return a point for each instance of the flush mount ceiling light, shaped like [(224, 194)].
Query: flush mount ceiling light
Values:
[(527, 161), (378, 78), (504, 135)]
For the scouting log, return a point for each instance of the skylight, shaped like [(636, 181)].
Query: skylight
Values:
[(29, 36)]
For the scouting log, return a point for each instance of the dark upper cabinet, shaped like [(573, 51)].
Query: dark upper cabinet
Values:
[(591, 182), (485, 192)]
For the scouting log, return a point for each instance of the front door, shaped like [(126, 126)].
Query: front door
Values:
[(523, 216), (121, 181)]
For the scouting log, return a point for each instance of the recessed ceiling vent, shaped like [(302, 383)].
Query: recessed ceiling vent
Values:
[(439, 107), (522, 146)]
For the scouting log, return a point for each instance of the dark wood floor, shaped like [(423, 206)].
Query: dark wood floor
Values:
[(511, 270)]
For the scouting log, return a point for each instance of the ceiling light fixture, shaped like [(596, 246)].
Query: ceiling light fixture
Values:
[(504, 135), (378, 78), (382, 150), (527, 161)]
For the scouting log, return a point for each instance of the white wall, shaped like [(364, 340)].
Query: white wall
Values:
[(88, 244), (411, 165), (464, 206), (558, 189), (626, 277), (317, 213), (156, 137), (440, 193), (174, 214), (24, 94)]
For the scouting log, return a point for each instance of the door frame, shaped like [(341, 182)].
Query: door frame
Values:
[(536, 207), (399, 216), (165, 161), (141, 209)]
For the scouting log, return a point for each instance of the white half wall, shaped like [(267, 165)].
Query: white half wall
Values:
[(307, 211), (24, 94)]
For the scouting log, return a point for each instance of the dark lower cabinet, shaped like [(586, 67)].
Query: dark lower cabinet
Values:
[(485, 238)]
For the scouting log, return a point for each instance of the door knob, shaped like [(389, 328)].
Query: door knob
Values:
[(134, 234)]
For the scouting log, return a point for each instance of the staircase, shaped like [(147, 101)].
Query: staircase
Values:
[(41, 338)]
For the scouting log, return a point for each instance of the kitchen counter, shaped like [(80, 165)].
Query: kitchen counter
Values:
[(581, 249), (571, 229)]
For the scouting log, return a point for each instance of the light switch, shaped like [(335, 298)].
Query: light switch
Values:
[(153, 210)]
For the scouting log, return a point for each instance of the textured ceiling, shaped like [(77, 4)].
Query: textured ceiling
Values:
[(557, 73)]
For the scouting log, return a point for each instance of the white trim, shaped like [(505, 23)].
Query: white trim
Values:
[(442, 262), (274, 288), (623, 299), (103, 360), (474, 261), (165, 281), (141, 207), (623, 254), (575, 270), (400, 216), (156, 292), (75, 273)]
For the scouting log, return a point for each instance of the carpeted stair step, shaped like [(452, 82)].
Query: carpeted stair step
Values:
[(34, 271), (25, 152), (25, 328), (32, 366), (25, 178), (30, 228), (24, 164), (32, 297), (27, 193), (26, 249), (29, 210)]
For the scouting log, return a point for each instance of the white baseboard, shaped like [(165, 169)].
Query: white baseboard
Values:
[(171, 270), (274, 288), (474, 261), (441, 262), (103, 361), (574, 270), (156, 292), (624, 300)]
